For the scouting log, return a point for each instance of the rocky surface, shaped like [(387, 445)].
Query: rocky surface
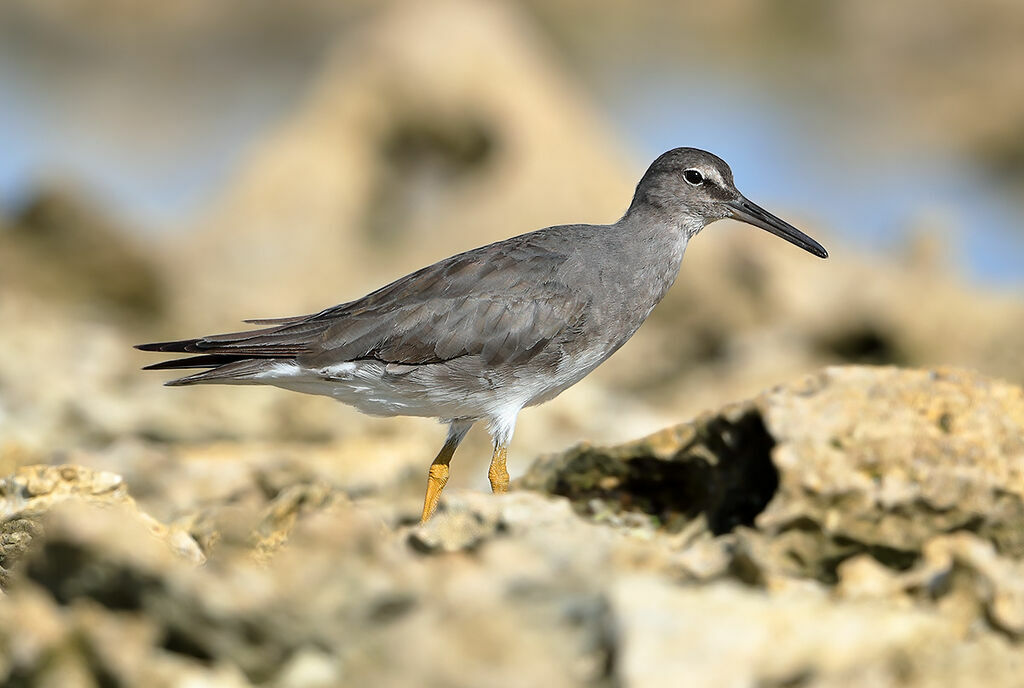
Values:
[(29, 495), (891, 458), (858, 527)]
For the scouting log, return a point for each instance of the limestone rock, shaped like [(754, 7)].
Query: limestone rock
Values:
[(854, 473), (743, 548), (727, 635), (889, 457), (64, 247), (883, 456), (961, 570), (32, 492), (435, 129)]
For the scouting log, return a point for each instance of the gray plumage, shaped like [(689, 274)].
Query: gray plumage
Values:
[(484, 333)]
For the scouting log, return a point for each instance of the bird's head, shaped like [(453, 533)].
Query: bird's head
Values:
[(696, 188)]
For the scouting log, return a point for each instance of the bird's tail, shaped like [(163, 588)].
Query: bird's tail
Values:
[(221, 369), (239, 357)]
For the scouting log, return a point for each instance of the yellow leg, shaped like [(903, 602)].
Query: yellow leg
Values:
[(497, 473), (437, 476)]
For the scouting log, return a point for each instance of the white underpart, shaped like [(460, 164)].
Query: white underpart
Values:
[(502, 423), (281, 370), (380, 389)]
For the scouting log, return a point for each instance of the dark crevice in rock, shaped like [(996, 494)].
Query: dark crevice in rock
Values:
[(422, 159), (723, 473), (709, 345), (391, 607), (454, 145), (865, 343), (250, 642), (798, 680), (69, 571), (890, 557), (593, 617), (181, 643), (896, 559), (818, 555), (103, 676), (745, 567)]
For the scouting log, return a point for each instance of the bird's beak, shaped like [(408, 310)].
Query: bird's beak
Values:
[(753, 214)]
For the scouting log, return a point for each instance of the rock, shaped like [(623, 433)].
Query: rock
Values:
[(717, 467), (962, 572), (888, 458), (283, 511), (833, 450), (855, 470), (772, 575), (996, 582), (727, 635), (456, 529), (65, 248), (46, 644), (32, 492), (431, 131)]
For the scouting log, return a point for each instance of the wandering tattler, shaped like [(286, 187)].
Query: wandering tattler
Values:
[(485, 333)]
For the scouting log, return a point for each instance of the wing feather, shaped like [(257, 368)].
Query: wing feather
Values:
[(503, 302), (495, 302)]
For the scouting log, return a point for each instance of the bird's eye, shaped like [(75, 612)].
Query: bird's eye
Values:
[(693, 177)]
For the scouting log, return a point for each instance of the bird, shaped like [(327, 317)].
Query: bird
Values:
[(485, 333)]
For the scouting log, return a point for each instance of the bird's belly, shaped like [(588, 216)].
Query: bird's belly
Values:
[(569, 370), (462, 388), (381, 389)]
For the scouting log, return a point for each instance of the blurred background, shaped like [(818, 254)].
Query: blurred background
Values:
[(169, 169)]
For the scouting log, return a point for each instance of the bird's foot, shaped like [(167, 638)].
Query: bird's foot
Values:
[(437, 477), (498, 473)]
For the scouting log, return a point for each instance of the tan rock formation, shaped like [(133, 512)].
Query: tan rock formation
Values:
[(853, 528), (440, 128)]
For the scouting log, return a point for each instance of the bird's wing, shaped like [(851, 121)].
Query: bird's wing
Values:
[(502, 302)]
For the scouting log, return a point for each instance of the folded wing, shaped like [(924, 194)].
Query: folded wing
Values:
[(474, 304)]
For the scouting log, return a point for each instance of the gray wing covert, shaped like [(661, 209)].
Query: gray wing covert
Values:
[(504, 306)]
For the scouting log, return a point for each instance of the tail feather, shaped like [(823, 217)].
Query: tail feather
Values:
[(235, 372), (238, 357), (288, 337), (290, 320), (180, 346), (209, 361)]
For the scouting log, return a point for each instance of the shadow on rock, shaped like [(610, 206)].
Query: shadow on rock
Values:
[(717, 467)]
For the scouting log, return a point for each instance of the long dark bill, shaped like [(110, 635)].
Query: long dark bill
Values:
[(753, 214)]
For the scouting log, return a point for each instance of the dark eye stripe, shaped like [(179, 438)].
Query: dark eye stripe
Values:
[(693, 177)]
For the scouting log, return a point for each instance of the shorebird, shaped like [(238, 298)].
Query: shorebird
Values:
[(483, 334)]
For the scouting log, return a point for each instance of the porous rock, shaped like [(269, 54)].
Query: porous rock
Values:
[(748, 547), (32, 492)]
